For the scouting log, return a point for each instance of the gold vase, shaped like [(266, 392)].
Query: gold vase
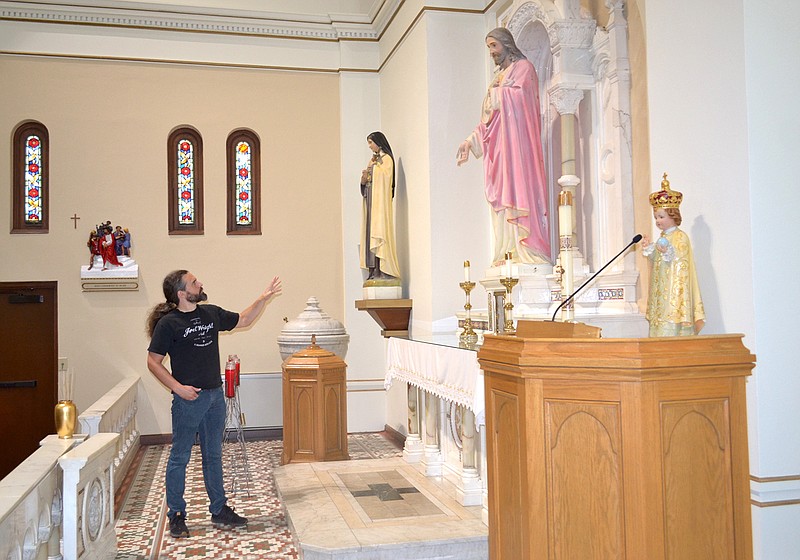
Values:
[(66, 418)]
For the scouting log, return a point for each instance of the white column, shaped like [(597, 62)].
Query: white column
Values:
[(413, 449), (470, 491), (566, 101), (432, 459)]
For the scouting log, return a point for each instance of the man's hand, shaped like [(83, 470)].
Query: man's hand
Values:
[(249, 315), (273, 289), (186, 392)]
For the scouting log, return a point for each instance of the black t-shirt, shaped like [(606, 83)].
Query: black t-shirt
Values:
[(192, 342)]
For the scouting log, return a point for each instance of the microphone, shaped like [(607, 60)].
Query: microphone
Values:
[(636, 239)]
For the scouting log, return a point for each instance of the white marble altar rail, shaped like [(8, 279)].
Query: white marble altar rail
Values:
[(61, 499), (115, 412), (66, 487), (88, 483), (30, 503)]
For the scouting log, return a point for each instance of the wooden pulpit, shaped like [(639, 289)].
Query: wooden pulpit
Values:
[(314, 406), (617, 448)]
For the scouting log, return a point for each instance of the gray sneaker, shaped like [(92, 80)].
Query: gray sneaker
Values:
[(227, 517), (177, 526)]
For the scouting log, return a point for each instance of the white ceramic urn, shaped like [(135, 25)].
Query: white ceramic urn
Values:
[(330, 333)]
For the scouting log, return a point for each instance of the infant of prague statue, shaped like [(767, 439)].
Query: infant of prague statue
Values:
[(674, 306)]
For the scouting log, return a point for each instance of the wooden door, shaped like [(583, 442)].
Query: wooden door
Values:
[(28, 367)]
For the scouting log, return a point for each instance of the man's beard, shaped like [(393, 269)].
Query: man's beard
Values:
[(197, 298), (500, 57)]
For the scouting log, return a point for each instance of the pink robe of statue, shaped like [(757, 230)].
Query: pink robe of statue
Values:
[(509, 139)]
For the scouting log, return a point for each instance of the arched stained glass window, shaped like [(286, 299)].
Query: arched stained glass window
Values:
[(185, 180), (244, 182), (30, 178)]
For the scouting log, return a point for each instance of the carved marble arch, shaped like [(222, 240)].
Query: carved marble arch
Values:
[(583, 70)]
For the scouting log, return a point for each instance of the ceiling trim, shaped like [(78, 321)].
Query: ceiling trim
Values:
[(385, 15), (331, 27)]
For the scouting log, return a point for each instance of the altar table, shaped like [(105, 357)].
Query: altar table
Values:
[(450, 381)]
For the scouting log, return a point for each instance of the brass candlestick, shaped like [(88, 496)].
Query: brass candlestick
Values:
[(509, 283), (468, 335)]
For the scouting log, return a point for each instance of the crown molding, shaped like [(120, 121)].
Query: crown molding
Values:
[(118, 31), (319, 27)]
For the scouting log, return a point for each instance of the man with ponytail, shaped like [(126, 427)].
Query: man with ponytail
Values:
[(189, 334)]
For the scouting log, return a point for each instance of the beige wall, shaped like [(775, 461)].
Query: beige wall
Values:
[(404, 119), (108, 124)]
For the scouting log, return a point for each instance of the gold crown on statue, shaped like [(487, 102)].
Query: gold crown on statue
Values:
[(666, 197)]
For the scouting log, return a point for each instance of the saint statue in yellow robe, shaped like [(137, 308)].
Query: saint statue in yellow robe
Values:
[(378, 253)]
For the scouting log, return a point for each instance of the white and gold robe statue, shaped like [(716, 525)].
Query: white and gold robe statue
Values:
[(674, 304)]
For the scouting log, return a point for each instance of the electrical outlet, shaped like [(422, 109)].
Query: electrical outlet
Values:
[(63, 364)]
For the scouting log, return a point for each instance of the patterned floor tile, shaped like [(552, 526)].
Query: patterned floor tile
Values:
[(142, 531)]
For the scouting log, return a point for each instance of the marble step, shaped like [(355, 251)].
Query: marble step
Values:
[(377, 509)]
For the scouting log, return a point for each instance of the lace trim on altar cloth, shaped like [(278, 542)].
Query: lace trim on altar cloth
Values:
[(452, 374)]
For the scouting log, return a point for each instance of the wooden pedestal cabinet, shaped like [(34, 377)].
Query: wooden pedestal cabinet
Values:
[(314, 406), (617, 448)]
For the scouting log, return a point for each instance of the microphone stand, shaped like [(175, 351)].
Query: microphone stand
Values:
[(636, 239)]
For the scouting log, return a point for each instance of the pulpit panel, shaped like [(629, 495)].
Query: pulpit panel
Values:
[(335, 437), (696, 456), (507, 462), (585, 494), (303, 430)]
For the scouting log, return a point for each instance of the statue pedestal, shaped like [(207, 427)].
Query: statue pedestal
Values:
[(383, 287), (113, 278), (609, 302), (383, 292)]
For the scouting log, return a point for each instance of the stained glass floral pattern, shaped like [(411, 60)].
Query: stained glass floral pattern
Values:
[(244, 194), (243, 188), (185, 172), (30, 191), (33, 180)]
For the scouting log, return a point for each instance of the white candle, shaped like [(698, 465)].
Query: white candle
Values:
[(565, 220), (508, 265), (466, 271)]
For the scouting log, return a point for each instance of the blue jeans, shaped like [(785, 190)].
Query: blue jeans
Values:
[(204, 416)]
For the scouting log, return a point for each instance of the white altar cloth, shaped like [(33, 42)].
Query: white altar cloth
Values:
[(450, 373)]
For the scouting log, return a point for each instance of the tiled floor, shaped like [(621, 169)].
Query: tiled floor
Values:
[(141, 528)]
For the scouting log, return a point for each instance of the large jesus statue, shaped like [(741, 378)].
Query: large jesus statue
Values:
[(509, 140)]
